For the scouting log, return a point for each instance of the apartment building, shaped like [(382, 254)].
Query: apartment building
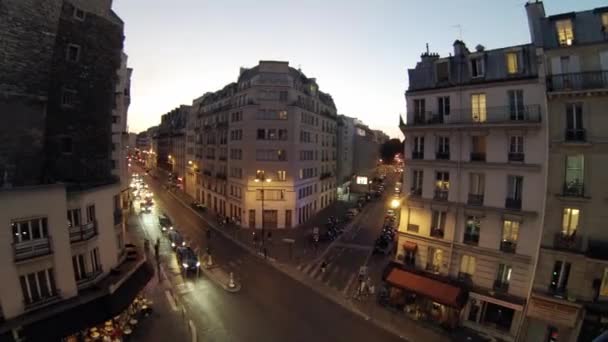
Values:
[(170, 141), (264, 147), (475, 164), (63, 262), (570, 293)]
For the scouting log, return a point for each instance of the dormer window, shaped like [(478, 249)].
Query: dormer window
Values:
[(477, 67), (605, 22), (79, 14), (442, 70), (512, 63), (565, 34)]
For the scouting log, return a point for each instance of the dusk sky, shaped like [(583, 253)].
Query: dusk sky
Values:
[(359, 51)]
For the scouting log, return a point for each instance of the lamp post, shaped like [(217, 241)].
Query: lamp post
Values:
[(260, 178)]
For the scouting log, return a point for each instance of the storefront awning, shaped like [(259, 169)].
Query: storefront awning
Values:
[(436, 290), (410, 246)]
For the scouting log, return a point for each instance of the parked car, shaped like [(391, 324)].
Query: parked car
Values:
[(145, 207), (176, 238), (187, 259), (384, 246), (352, 212), (165, 223), (198, 206)]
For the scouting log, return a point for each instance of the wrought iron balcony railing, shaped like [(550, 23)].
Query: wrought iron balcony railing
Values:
[(568, 242), (475, 199), (488, 115), (513, 203), (573, 189), (576, 135), (578, 81)]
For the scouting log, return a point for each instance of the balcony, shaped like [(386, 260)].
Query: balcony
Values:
[(500, 286), (417, 155), (442, 155), (220, 175), (441, 195), (325, 175), (508, 246), (516, 157), (42, 302), (567, 242), (83, 232), (576, 135), (32, 249), (117, 217), (578, 81), (89, 279), (513, 203), (492, 115), (470, 239), (474, 199), (573, 189), (437, 233), (478, 156), (416, 192)]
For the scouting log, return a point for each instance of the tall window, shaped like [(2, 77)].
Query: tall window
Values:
[(565, 34), (419, 108), (516, 104), (467, 265), (95, 264), (443, 147), (516, 144), (478, 148), (510, 232), (442, 181), (31, 229), (78, 265), (38, 286), (574, 122), (435, 258), (418, 148), (478, 107), (514, 187), (574, 174), (559, 277), (570, 221), (477, 67), (417, 178), (281, 175), (512, 65), (471, 230), (504, 274), (443, 105), (91, 213), (477, 184), (438, 223), (74, 217)]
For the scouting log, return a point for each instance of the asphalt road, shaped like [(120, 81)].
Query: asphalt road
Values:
[(270, 307)]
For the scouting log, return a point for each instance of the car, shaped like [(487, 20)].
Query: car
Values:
[(352, 212), (384, 246), (390, 212), (144, 207), (176, 238), (187, 259), (165, 223), (198, 206)]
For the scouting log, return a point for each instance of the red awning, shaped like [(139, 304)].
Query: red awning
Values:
[(410, 246), (436, 290)]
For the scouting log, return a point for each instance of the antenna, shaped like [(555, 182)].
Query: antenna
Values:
[(427, 52), (459, 27)]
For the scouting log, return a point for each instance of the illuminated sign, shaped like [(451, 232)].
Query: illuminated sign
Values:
[(361, 180)]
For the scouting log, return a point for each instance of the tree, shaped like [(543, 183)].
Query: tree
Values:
[(389, 149)]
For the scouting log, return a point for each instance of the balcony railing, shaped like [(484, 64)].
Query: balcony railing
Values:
[(578, 81), (513, 203), (500, 286), (508, 246), (442, 155), (576, 135), (496, 115), (31, 249), (220, 175), (567, 242), (416, 192), (478, 156), (42, 301), (441, 195), (470, 239), (325, 175), (437, 232), (117, 217), (83, 232), (516, 156), (475, 199), (89, 278), (574, 189), (417, 155)]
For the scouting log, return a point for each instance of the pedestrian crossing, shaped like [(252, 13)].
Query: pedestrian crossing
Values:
[(337, 276)]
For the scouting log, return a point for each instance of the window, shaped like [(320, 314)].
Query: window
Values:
[(574, 116), (31, 229), (95, 265), (281, 175), (91, 213), (443, 146), (236, 134), (38, 286), (282, 134), (496, 316), (443, 71), (80, 271), (74, 217), (78, 14), (419, 110), (512, 65), (438, 223), (417, 178), (270, 195), (516, 104), (283, 96), (478, 107), (504, 274), (570, 221), (604, 285), (236, 154), (236, 172), (516, 144), (477, 67), (442, 181), (514, 187), (271, 155), (261, 134), (575, 174), (68, 97), (559, 277), (565, 34), (282, 115), (467, 265), (418, 148), (477, 184), (510, 232), (605, 22), (72, 53), (478, 148), (443, 105), (435, 259), (471, 230)]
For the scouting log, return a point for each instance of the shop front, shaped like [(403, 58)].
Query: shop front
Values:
[(595, 322), (494, 316), (422, 297), (551, 319)]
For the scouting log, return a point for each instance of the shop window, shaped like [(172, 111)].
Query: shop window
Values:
[(498, 317), (552, 334)]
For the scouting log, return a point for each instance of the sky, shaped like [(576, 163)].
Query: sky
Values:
[(359, 51)]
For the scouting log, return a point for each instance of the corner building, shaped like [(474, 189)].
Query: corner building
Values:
[(475, 166), (264, 148)]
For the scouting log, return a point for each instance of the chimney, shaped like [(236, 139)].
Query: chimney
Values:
[(460, 49), (535, 11)]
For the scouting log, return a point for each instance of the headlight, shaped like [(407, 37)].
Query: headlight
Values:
[(183, 243), (171, 228), (164, 229), (172, 244), (185, 265), (198, 263)]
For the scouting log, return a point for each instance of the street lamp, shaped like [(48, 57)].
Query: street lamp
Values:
[(260, 178), (395, 203)]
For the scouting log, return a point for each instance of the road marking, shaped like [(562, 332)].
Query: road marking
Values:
[(171, 300), (354, 246)]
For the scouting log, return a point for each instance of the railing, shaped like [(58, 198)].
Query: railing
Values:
[(500, 286), (475, 199), (478, 156), (578, 81), (442, 155), (437, 232), (83, 232), (470, 239), (416, 192), (503, 114), (516, 156), (513, 203), (441, 195), (567, 242), (89, 278), (417, 155), (508, 246), (220, 175), (325, 175), (42, 301), (573, 189), (31, 249), (117, 217), (579, 135)]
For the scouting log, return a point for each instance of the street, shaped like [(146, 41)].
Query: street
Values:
[(271, 306)]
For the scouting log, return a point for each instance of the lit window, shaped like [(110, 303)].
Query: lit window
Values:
[(570, 221), (565, 34), (477, 67), (604, 285), (510, 231), (281, 175), (467, 264), (478, 107), (605, 21), (512, 67)]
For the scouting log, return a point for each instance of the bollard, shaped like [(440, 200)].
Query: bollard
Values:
[(231, 283)]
